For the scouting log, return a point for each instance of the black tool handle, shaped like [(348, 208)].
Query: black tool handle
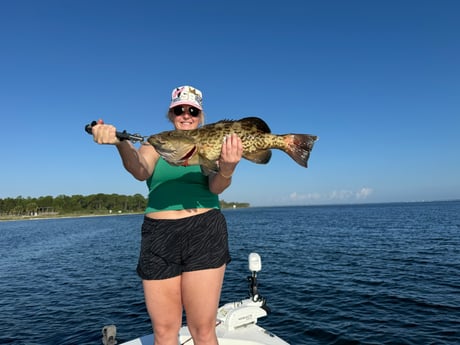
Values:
[(120, 135)]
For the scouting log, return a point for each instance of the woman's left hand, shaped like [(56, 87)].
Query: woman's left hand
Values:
[(232, 151)]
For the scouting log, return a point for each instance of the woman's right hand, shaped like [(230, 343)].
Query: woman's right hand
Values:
[(105, 134)]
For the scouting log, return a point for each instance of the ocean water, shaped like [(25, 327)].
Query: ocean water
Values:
[(358, 274)]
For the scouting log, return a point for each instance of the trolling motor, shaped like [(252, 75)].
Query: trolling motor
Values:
[(255, 266), (109, 334), (246, 312)]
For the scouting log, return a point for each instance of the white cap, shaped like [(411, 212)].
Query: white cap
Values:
[(186, 95)]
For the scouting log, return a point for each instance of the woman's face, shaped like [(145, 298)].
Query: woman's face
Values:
[(185, 117)]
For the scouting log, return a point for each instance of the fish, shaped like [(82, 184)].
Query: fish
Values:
[(202, 146)]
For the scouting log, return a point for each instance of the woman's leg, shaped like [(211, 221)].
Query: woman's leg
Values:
[(164, 305), (200, 295)]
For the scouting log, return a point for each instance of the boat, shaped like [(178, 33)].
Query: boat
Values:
[(236, 321)]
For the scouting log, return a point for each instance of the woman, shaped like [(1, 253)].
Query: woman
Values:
[(184, 247)]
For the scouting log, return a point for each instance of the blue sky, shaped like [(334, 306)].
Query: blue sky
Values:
[(377, 81)]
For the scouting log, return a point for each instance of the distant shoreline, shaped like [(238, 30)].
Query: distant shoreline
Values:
[(64, 216), (83, 215), (75, 206), (57, 216)]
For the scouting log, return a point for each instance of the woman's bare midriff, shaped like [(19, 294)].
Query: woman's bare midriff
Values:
[(177, 214)]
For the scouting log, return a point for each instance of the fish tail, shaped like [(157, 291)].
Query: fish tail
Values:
[(299, 146)]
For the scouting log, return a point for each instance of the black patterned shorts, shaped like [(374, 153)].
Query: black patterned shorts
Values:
[(172, 246)]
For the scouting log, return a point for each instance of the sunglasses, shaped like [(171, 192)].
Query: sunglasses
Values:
[(180, 110)]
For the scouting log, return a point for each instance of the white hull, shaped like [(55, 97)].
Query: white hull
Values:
[(251, 335)]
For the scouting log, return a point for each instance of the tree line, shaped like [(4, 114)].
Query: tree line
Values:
[(81, 204), (75, 204)]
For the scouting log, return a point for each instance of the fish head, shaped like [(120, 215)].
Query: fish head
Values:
[(176, 147)]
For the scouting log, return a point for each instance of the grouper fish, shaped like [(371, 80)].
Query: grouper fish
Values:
[(202, 146)]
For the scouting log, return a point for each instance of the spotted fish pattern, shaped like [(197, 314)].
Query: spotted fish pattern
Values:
[(202, 146)]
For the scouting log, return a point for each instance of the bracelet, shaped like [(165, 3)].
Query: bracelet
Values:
[(228, 177)]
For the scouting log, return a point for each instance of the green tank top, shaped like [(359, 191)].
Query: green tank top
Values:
[(179, 188)]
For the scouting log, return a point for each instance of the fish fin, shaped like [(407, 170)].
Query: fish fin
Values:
[(206, 171), (207, 166), (260, 124), (299, 146), (259, 157)]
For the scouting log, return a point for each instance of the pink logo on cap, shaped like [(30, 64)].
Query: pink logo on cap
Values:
[(176, 92)]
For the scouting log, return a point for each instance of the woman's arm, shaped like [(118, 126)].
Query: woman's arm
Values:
[(139, 162)]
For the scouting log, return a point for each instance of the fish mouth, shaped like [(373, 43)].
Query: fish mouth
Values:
[(189, 154)]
